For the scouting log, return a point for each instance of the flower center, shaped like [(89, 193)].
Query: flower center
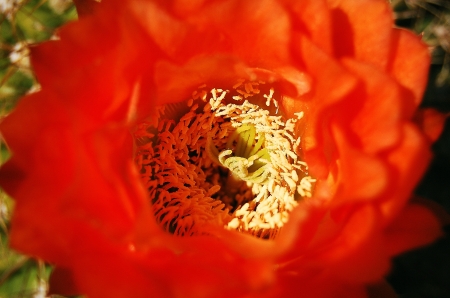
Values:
[(225, 158)]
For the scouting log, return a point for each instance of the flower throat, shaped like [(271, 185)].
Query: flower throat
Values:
[(223, 160)]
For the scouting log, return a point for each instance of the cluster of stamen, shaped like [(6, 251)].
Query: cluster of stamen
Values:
[(226, 161)]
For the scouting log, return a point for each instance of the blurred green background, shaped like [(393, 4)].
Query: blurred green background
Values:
[(423, 273)]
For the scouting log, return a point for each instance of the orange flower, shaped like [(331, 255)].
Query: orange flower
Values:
[(82, 194)]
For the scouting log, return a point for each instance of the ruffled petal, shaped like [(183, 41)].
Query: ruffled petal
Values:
[(376, 122), (356, 252), (431, 122), (407, 163), (332, 87), (259, 31), (313, 19), (415, 226), (410, 60), (353, 36), (361, 176)]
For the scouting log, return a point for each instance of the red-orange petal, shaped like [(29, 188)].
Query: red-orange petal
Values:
[(431, 122), (376, 122), (415, 226), (410, 60), (407, 163), (353, 36)]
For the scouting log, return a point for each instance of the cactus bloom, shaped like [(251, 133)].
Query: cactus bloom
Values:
[(227, 148)]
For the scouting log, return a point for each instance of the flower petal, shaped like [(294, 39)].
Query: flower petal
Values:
[(353, 36), (356, 253), (410, 60), (376, 122), (85, 7), (407, 163), (361, 176), (415, 226), (431, 122), (313, 19), (334, 84)]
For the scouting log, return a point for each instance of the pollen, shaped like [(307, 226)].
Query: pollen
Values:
[(223, 158)]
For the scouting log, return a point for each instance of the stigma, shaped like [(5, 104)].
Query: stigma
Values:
[(223, 158)]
